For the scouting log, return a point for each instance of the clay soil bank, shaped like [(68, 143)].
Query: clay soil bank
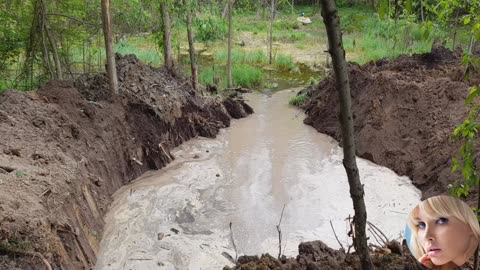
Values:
[(65, 149), (405, 111)]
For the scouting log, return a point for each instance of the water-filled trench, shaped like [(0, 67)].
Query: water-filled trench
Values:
[(178, 217)]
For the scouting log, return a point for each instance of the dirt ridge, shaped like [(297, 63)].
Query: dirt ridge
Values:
[(66, 148), (405, 111)]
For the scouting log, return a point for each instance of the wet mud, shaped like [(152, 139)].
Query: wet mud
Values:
[(68, 147)]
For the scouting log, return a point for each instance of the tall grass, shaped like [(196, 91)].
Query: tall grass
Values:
[(148, 56), (242, 75)]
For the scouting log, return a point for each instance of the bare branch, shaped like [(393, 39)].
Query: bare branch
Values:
[(334, 233), (233, 242), (72, 18), (280, 234)]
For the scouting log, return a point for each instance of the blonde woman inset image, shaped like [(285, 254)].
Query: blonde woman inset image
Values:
[(444, 232)]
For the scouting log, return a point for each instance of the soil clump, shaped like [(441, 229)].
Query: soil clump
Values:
[(65, 149), (405, 111), (316, 255)]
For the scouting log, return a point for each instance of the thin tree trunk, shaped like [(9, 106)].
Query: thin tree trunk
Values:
[(191, 46), (167, 38), (46, 54), (332, 24), (225, 9), (272, 18), (229, 60), (421, 11), (51, 39), (108, 35), (455, 30), (293, 6), (395, 28)]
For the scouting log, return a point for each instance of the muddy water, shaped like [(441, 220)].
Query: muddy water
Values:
[(246, 176)]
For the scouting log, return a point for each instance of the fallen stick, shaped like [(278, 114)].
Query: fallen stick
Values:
[(165, 152), (334, 233), (280, 234), (233, 242)]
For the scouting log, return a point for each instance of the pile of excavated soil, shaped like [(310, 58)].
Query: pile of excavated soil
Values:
[(316, 255), (65, 149), (405, 111)]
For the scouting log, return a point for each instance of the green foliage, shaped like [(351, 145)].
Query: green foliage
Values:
[(242, 75), (284, 62), (210, 28), (240, 56), (150, 57), (247, 76), (20, 174), (132, 16), (466, 133), (15, 245), (298, 100)]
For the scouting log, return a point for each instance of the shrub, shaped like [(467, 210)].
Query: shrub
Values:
[(298, 100)]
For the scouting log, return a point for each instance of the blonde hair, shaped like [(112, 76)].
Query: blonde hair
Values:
[(437, 207)]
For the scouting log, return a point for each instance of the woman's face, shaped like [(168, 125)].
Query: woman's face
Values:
[(444, 239)]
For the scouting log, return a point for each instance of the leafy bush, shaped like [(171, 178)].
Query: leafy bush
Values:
[(210, 29)]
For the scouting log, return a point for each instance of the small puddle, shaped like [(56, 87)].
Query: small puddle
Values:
[(178, 217)]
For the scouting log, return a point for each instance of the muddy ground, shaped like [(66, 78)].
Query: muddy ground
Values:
[(66, 148), (405, 111)]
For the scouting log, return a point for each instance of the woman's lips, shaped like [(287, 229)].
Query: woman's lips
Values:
[(434, 252)]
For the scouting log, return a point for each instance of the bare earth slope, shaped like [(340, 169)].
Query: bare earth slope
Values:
[(64, 150), (405, 111)]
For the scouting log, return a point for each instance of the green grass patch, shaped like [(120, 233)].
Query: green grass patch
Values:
[(242, 57), (298, 100), (284, 62), (242, 75), (147, 56)]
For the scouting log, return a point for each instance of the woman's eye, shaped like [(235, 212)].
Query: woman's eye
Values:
[(442, 220), (421, 225)]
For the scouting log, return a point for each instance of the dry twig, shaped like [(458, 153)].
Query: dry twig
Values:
[(280, 234), (334, 233), (233, 242)]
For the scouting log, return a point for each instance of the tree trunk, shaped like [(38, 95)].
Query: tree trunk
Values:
[(46, 55), (191, 46), (229, 60), (455, 30), (167, 38), (225, 10), (395, 28), (108, 35), (335, 45), (421, 11), (51, 39), (272, 18)]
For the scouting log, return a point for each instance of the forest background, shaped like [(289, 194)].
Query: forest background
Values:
[(42, 40)]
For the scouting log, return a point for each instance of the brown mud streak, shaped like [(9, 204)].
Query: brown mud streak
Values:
[(72, 146)]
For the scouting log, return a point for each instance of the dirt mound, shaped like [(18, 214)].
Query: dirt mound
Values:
[(316, 255), (66, 149), (404, 112)]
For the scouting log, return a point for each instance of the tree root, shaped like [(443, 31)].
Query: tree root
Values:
[(27, 253)]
